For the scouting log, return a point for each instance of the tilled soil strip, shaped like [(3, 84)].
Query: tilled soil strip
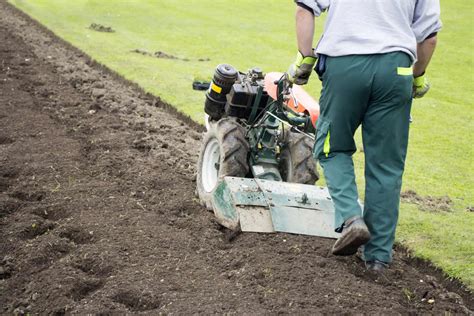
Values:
[(97, 209)]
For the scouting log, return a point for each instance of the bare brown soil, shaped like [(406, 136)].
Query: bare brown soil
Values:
[(428, 203), (98, 215)]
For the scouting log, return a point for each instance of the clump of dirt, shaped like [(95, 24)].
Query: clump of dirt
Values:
[(101, 28), (163, 55), (4, 140), (428, 203), (160, 54), (141, 52), (6, 267), (85, 287), (136, 300)]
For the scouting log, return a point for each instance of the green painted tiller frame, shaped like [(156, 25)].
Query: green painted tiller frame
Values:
[(265, 203)]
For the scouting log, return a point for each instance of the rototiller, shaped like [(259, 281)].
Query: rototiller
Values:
[(256, 170)]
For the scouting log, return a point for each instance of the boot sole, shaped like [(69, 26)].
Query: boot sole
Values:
[(348, 244)]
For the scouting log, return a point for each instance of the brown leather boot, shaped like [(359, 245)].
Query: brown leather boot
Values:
[(354, 234)]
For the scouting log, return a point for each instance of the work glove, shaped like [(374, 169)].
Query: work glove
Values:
[(420, 86), (301, 69)]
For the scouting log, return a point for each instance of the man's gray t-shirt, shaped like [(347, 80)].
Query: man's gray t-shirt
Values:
[(360, 27)]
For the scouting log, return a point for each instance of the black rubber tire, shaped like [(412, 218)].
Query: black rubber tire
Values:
[(297, 164), (233, 150)]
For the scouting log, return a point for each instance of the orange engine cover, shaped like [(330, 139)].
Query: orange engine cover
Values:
[(299, 102)]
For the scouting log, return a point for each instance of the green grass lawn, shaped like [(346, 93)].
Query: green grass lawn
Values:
[(250, 33)]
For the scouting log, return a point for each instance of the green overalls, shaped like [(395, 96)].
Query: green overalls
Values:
[(375, 91)]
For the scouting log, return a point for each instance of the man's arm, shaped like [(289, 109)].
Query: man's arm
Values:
[(425, 51), (301, 69), (304, 31), (426, 24)]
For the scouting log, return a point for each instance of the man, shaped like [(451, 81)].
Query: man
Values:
[(365, 63)]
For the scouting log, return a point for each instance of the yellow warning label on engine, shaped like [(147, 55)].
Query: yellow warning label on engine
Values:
[(216, 88)]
